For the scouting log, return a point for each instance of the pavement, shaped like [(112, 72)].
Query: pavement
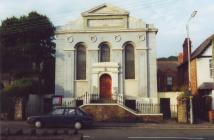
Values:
[(167, 124), (164, 125)]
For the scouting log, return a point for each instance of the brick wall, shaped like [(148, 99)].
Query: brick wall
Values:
[(185, 49), (182, 111), (193, 70), (115, 113)]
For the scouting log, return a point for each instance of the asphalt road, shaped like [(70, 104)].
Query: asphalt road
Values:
[(131, 133), (147, 134)]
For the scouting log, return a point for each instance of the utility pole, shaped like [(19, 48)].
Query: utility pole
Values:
[(189, 66)]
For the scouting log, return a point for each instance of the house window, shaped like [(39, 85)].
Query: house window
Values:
[(129, 62), (104, 53), (80, 62), (211, 67), (169, 80), (169, 83)]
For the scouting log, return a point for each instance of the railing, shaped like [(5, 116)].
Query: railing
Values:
[(87, 97), (147, 108), (120, 99), (95, 98), (150, 108), (66, 102)]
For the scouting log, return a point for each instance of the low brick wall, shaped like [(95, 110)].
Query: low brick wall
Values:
[(182, 111), (116, 113), (150, 118)]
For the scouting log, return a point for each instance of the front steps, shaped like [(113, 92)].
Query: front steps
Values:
[(117, 113)]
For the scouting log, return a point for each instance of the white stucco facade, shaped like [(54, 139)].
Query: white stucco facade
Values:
[(106, 23), (203, 69), (204, 72)]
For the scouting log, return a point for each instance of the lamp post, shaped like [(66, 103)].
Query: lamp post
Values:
[(189, 66)]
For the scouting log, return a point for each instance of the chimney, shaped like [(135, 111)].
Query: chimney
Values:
[(180, 58), (185, 49)]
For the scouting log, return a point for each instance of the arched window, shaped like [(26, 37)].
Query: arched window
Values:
[(104, 53), (129, 62), (80, 62)]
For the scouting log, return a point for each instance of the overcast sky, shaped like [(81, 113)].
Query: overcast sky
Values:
[(169, 16)]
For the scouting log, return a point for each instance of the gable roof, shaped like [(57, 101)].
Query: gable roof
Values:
[(207, 85), (164, 66), (105, 9), (198, 51)]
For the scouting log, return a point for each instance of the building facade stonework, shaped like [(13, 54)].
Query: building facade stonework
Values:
[(106, 52)]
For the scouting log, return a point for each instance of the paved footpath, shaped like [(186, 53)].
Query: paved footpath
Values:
[(163, 125), (155, 125)]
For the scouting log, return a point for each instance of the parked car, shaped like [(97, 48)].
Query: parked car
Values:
[(68, 117)]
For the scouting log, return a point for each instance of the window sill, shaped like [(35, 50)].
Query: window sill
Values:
[(81, 80), (130, 79)]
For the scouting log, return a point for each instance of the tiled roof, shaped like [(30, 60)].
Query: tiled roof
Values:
[(167, 65), (207, 85), (198, 51)]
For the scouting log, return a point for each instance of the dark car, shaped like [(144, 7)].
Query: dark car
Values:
[(67, 117)]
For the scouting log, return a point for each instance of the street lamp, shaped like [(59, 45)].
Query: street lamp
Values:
[(189, 67)]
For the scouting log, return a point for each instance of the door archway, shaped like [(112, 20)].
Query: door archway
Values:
[(105, 87)]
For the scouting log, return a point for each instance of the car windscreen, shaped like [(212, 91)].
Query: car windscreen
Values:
[(70, 111), (58, 111)]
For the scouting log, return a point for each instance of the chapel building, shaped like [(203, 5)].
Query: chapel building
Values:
[(106, 53)]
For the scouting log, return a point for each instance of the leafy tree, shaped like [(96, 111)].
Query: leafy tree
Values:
[(28, 38), (27, 54), (170, 58), (19, 87), (25, 42)]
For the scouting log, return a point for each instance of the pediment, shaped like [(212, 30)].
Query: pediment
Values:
[(105, 9)]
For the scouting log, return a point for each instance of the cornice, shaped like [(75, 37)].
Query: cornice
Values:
[(106, 31)]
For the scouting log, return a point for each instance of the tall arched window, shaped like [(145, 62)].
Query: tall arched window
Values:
[(104, 53), (129, 62), (80, 62)]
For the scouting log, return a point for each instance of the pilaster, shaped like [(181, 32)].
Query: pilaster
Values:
[(69, 74), (142, 66), (152, 65), (117, 56)]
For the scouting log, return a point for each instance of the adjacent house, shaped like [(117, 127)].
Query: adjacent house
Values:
[(201, 76), (167, 75), (167, 82), (107, 55)]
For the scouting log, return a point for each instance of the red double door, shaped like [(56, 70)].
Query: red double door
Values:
[(105, 86)]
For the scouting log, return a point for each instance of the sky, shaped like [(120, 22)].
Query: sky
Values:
[(169, 16)]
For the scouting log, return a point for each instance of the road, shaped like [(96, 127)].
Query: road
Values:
[(132, 133), (148, 134)]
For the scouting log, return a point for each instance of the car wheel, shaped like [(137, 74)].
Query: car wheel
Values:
[(77, 125), (38, 124)]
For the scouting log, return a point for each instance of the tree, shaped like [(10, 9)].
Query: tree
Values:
[(26, 43), (170, 58), (27, 54)]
